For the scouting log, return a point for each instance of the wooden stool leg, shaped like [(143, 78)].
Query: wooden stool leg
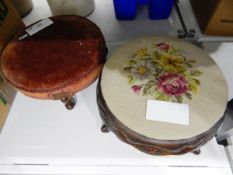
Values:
[(197, 151), (105, 128), (69, 102)]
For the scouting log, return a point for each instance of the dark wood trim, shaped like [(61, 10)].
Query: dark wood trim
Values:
[(149, 145)]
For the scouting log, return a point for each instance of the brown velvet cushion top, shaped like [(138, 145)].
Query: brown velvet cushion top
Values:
[(61, 54)]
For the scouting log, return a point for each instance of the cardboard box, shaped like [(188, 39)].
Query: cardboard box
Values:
[(7, 94), (215, 17), (10, 23)]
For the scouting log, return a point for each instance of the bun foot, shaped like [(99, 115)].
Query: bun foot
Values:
[(69, 102), (197, 151), (105, 129)]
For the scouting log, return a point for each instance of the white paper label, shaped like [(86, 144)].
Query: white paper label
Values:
[(39, 26), (162, 111)]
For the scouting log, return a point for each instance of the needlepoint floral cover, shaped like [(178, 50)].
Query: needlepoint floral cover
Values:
[(163, 72)]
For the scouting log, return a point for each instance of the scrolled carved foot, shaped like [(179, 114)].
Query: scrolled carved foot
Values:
[(105, 128), (197, 151)]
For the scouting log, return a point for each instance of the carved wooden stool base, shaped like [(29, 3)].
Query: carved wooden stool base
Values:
[(151, 145)]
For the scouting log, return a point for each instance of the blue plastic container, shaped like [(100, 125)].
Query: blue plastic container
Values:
[(127, 9), (160, 9), (143, 2)]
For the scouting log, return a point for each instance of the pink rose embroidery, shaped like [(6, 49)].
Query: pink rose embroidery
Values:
[(173, 84), (136, 89), (163, 46)]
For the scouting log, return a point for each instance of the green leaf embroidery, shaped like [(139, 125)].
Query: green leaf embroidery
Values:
[(197, 81), (151, 82), (179, 99), (3, 99), (161, 96), (188, 95), (155, 63), (195, 73), (132, 62), (127, 69), (173, 51), (156, 55), (191, 61), (130, 79), (188, 64)]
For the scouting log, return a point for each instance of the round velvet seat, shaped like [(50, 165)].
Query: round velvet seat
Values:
[(56, 62)]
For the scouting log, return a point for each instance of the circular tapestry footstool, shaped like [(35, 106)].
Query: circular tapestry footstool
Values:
[(162, 69), (56, 62)]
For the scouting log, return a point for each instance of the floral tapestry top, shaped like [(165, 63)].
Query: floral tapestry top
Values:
[(162, 72)]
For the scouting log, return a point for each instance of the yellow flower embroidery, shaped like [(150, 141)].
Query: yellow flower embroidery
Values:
[(193, 86), (142, 70), (172, 63), (141, 52)]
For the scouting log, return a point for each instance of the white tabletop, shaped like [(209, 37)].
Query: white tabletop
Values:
[(45, 134)]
